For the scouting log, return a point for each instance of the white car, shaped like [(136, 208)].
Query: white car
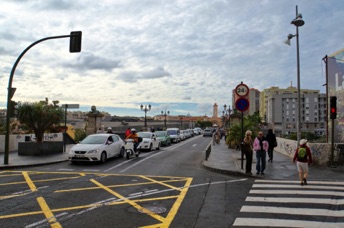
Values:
[(149, 141), (97, 148)]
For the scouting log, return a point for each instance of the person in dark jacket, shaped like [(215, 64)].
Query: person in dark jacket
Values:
[(271, 138)]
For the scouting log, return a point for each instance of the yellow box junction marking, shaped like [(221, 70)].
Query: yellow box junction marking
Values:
[(164, 222), (29, 182), (47, 212)]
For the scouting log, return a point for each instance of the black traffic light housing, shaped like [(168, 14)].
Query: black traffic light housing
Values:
[(13, 109), (333, 107), (75, 41)]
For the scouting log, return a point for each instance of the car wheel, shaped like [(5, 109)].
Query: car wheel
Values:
[(103, 157), (158, 148), (150, 147), (121, 153), (128, 156)]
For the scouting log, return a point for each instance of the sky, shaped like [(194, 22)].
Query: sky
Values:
[(181, 56)]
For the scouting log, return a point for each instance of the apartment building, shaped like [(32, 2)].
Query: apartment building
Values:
[(279, 109)]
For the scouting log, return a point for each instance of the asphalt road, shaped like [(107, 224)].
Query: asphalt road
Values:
[(165, 188)]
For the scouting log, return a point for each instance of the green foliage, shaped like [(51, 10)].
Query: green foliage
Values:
[(307, 135), (80, 134), (40, 117), (251, 122), (204, 124)]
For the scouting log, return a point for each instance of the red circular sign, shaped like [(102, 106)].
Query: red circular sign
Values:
[(242, 90), (242, 104)]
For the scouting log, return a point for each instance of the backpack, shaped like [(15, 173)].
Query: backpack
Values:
[(302, 154)]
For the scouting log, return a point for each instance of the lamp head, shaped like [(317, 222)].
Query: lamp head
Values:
[(149, 107), (298, 21), (287, 41), (141, 107)]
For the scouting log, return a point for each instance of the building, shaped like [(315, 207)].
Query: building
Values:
[(279, 109)]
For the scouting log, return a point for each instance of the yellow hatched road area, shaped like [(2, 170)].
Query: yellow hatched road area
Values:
[(179, 186)]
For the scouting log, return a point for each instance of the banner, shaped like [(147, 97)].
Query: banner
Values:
[(335, 87)]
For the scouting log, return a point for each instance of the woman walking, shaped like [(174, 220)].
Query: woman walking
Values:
[(260, 145), (248, 151)]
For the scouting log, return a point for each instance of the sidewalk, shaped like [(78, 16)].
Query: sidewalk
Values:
[(228, 161), (14, 160)]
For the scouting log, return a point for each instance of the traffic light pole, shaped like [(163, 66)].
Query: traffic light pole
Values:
[(10, 92), (332, 144)]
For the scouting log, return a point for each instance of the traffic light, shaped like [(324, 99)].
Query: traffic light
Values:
[(75, 41), (13, 109), (333, 107)]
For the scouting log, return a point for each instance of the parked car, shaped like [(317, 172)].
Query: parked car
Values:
[(164, 138), (174, 134), (182, 135), (207, 132), (97, 148), (197, 131), (149, 141)]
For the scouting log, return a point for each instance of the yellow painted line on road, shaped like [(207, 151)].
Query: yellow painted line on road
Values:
[(172, 213), (29, 182), (131, 202), (161, 183), (115, 186), (47, 212)]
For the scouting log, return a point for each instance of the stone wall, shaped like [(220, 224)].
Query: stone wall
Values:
[(320, 151)]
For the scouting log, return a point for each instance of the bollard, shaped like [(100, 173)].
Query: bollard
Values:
[(207, 152)]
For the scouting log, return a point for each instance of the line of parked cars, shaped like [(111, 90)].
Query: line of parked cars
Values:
[(100, 147)]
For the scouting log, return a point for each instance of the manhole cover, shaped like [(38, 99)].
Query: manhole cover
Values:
[(156, 210)]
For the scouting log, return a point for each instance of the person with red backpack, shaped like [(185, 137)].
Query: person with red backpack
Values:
[(303, 156)]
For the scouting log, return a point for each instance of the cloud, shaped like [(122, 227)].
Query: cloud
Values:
[(134, 76), (89, 61)]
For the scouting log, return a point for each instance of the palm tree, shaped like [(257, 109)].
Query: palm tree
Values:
[(40, 116)]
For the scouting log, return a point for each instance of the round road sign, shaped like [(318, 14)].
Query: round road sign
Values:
[(242, 90), (242, 104)]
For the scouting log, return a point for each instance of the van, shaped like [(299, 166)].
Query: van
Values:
[(174, 134)]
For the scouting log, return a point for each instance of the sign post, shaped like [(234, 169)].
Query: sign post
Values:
[(67, 106), (242, 104)]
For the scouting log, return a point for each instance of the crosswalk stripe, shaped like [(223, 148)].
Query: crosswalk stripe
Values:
[(297, 186), (295, 200), (296, 192), (284, 223), (291, 200), (298, 182), (292, 211)]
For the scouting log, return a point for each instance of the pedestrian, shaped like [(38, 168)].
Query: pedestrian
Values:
[(260, 145), (303, 156), (271, 138), (127, 132), (247, 149), (109, 130)]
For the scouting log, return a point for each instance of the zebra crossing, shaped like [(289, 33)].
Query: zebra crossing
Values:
[(282, 203)]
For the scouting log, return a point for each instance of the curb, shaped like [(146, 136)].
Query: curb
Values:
[(31, 165)]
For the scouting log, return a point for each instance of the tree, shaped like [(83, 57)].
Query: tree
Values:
[(40, 116)]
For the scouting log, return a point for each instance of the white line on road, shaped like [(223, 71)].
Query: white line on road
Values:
[(295, 200), (296, 192), (246, 222)]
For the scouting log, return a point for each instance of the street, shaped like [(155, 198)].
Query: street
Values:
[(164, 188)]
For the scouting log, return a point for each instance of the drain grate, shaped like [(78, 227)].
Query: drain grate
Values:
[(155, 209)]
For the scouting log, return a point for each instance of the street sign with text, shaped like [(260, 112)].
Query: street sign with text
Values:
[(70, 106), (242, 90)]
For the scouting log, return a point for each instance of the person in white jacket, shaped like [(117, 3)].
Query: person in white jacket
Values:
[(260, 146)]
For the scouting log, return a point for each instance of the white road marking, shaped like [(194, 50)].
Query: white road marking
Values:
[(296, 192), (283, 222), (295, 200)]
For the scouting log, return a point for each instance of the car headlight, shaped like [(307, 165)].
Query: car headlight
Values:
[(92, 151)]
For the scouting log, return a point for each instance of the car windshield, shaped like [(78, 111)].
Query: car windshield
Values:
[(94, 139), (160, 133), (207, 130), (172, 132), (144, 134)]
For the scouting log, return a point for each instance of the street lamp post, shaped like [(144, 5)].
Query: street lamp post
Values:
[(165, 114), (298, 22), (145, 109)]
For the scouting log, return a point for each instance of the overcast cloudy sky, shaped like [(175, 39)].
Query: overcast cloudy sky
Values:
[(179, 55)]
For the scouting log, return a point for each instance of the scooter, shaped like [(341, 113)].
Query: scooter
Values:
[(129, 149)]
